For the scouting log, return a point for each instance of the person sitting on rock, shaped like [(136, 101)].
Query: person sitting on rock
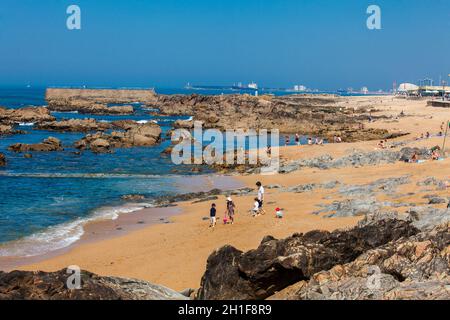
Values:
[(414, 158)]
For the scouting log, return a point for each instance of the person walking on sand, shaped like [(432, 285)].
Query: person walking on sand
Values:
[(287, 140), (212, 216), (231, 207), (297, 139), (260, 197), (255, 208)]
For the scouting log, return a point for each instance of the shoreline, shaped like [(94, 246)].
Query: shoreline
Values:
[(105, 227)]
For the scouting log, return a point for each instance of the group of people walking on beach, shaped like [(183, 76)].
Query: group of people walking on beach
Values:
[(230, 210)]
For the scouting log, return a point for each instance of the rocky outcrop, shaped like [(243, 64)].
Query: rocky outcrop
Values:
[(25, 115), (2, 160), (49, 144), (355, 159), (6, 129), (415, 267), (26, 285), (101, 95), (277, 264), (87, 107), (74, 125), (95, 101), (147, 134), (318, 115)]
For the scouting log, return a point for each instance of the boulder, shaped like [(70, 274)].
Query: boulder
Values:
[(147, 134), (6, 129), (2, 160), (27, 285), (74, 125), (100, 146), (410, 268), (49, 144), (25, 115), (277, 264)]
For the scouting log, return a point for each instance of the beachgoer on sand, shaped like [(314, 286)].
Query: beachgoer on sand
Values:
[(278, 213), (287, 140), (260, 197), (297, 139), (310, 141), (255, 209), (435, 155), (212, 216), (231, 207)]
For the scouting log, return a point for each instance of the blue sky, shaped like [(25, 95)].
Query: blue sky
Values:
[(319, 43)]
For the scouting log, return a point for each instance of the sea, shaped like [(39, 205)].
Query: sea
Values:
[(46, 200)]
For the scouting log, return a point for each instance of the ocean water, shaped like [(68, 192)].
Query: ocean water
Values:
[(46, 200)]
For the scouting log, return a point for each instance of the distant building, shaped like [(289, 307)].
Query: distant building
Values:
[(427, 82)]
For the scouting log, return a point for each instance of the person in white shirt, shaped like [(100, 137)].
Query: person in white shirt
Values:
[(255, 208), (260, 196)]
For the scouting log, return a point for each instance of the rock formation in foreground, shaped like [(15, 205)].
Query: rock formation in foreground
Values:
[(2, 160), (137, 135), (49, 144), (25, 115), (277, 264), (416, 267), (26, 285), (318, 115)]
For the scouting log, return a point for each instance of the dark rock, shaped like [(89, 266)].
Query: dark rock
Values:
[(276, 264), (2, 160), (133, 197), (415, 267), (26, 285)]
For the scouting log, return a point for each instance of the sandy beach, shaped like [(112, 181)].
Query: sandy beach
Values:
[(174, 254)]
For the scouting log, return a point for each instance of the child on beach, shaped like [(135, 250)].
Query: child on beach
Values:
[(278, 213), (212, 216), (255, 208), (230, 210)]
